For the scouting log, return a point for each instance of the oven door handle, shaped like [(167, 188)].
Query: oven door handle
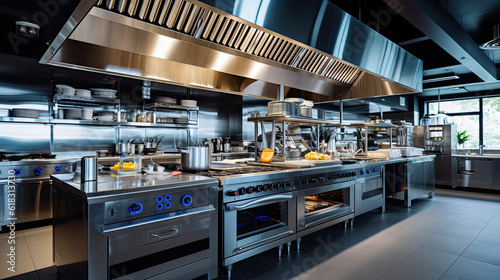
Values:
[(172, 231), (325, 219), (265, 240), (264, 199)]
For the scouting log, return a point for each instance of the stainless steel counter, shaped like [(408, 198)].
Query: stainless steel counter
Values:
[(112, 185)]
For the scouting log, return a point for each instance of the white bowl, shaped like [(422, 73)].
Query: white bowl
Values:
[(65, 89), (82, 92), (187, 102)]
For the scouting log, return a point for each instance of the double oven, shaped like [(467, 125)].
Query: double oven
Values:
[(268, 210)]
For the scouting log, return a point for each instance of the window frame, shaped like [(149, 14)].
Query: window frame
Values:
[(468, 113)]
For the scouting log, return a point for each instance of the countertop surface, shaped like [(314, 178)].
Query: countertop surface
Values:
[(484, 156), (109, 184)]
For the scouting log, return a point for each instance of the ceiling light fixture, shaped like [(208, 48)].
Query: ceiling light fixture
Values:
[(494, 43), (439, 79)]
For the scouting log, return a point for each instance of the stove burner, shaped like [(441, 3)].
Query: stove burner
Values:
[(236, 171)]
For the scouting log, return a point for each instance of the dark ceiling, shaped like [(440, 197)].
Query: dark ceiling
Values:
[(473, 19)]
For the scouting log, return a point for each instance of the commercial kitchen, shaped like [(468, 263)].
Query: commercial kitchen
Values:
[(249, 139)]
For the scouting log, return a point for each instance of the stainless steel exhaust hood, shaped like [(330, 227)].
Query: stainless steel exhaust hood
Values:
[(236, 49)]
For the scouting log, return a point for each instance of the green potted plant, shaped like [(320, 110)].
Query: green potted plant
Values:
[(462, 137)]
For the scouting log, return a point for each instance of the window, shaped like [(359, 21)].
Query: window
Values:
[(491, 126), (455, 106), (471, 124), (479, 116), (465, 113)]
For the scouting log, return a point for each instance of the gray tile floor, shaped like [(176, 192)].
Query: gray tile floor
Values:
[(455, 235)]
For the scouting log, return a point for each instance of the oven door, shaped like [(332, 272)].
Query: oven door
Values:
[(255, 222), (324, 204)]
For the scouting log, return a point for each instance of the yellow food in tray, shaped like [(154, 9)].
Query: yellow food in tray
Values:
[(316, 155), (126, 166)]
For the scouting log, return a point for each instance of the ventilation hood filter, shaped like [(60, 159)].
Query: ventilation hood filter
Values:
[(493, 44), (194, 44)]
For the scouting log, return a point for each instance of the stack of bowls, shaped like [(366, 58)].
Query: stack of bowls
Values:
[(65, 89)]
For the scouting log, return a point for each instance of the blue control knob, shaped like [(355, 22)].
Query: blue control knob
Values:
[(159, 206), (38, 172), (168, 205), (159, 198), (377, 170), (136, 208), (187, 200), (168, 197), (57, 168), (17, 172)]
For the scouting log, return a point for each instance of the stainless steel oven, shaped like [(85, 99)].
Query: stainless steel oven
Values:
[(255, 225), (321, 206), (369, 190), (135, 227)]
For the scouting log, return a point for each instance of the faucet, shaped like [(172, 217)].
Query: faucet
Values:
[(481, 149), (358, 151)]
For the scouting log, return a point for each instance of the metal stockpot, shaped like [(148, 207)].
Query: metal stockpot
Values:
[(195, 158)]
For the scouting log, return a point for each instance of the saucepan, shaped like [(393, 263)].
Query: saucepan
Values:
[(195, 158)]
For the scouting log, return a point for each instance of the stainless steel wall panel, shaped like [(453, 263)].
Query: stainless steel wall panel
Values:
[(83, 138), (24, 138)]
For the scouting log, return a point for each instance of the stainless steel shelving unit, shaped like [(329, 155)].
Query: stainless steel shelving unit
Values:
[(192, 117), (283, 119)]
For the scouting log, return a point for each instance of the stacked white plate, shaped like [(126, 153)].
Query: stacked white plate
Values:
[(25, 113), (189, 103), (103, 92), (165, 99), (65, 89)]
